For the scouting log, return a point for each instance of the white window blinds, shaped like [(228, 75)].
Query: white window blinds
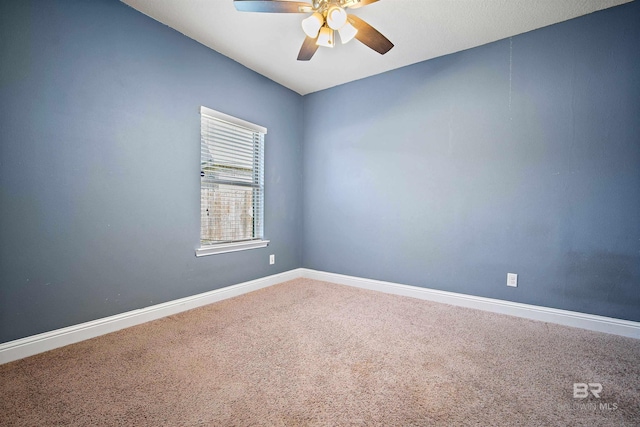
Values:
[(231, 179)]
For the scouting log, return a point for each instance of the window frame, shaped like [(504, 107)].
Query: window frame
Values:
[(240, 245)]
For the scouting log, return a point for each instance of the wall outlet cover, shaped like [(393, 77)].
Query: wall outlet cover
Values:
[(512, 280)]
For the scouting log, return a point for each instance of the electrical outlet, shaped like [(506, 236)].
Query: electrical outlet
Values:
[(512, 280), (272, 259)]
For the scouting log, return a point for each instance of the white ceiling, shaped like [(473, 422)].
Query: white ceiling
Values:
[(268, 43)]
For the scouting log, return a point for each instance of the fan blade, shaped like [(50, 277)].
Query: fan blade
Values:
[(370, 36), (272, 6), (308, 49), (354, 4)]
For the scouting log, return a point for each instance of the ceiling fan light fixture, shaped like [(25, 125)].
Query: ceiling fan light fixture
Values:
[(312, 25), (336, 17), (325, 38), (347, 32)]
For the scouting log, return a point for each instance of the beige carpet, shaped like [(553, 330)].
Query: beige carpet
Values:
[(314, 353)]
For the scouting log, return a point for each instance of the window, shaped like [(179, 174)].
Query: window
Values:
[(231, 184)]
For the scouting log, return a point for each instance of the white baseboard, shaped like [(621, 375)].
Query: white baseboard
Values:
[(18, 349), (552, 315)]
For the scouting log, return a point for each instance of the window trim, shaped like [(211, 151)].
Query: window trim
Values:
[(221, 248), (233, 120)]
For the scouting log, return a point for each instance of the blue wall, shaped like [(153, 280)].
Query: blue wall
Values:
[(518, 156), (100, 162)]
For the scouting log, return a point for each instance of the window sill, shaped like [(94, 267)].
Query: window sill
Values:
[(224, 248)]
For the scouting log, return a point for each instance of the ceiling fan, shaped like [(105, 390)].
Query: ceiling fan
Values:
[(327, 16)]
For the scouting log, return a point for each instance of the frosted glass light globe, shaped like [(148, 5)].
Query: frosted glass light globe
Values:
[(336, 17)]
